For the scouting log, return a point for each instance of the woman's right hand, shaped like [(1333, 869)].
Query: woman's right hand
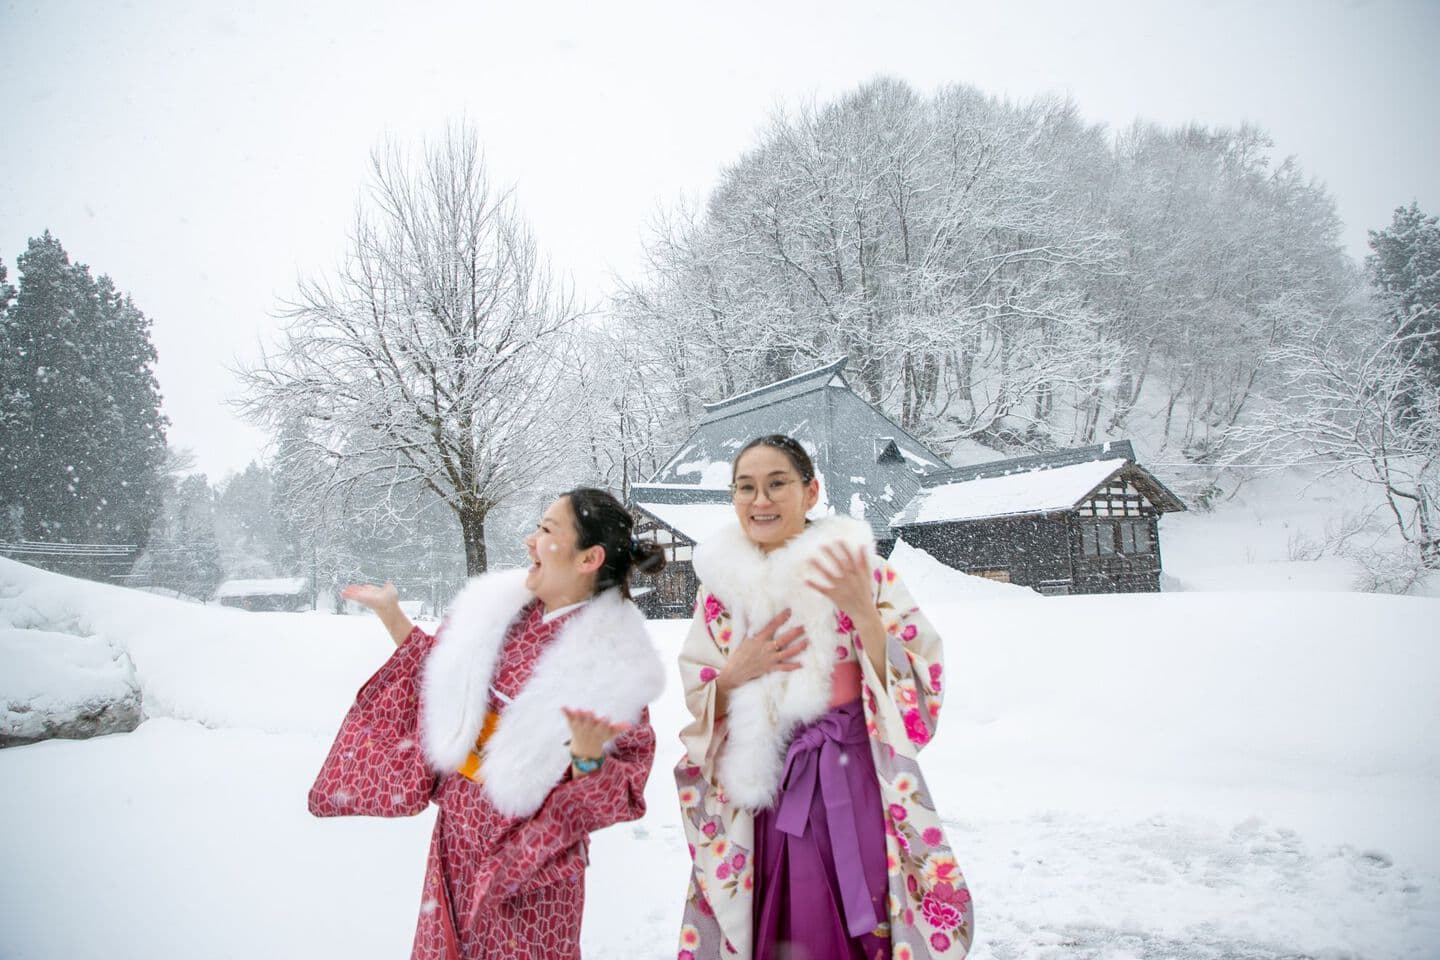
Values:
[(384, 602), (762, 652), (371, 597)]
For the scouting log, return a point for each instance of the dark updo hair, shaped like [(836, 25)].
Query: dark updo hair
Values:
[(789, 446), (601, 520)]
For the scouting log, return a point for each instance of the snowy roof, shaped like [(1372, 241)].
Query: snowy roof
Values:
[(1109, 450), (695, 521), (770, 393), (861, 474), (271, 587), (1017, 494)]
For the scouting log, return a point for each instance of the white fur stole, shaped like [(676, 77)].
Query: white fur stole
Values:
[(602, 661), (763, 714)]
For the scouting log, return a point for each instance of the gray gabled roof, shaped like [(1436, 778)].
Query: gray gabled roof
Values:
[(760, 397), (845, 435)]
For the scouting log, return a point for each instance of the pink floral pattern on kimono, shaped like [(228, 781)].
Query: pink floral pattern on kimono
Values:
[(929, 912)]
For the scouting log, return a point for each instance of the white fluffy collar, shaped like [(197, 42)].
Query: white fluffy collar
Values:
[(755, 586), (751, 582), (602, 661)]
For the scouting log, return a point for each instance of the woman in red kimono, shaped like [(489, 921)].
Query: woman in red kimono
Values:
[(524, 720)]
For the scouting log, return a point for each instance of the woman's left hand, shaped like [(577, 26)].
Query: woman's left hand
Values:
[(846, 581), (589, 733)]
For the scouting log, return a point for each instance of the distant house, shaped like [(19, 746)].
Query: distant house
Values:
[(1074, 521), (276, 593), (869, 468)]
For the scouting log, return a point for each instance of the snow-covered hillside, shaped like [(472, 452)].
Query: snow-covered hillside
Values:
[(1178, 775)]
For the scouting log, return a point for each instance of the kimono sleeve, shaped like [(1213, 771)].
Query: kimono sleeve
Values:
[(376, 766), (905, 703), (575, 808), (703, 654)]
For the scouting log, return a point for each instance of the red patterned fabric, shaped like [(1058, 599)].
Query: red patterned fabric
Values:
[(376, 768), (497, 887)]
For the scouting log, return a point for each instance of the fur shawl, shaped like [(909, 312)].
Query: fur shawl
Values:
[(754, 586), (602, 661)]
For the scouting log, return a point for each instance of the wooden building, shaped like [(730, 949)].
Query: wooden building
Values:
[(269, 594), (1084, 520)]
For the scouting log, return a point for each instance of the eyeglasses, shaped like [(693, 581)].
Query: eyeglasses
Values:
[(746, 490)]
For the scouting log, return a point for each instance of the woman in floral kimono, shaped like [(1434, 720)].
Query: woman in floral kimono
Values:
[(524, 720), (814, 681)]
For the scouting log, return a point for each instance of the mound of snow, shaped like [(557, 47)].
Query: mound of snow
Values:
[(931, 581), (214, 665), (62, 685)]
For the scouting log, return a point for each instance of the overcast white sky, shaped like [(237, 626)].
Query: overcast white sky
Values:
[(205, 154)]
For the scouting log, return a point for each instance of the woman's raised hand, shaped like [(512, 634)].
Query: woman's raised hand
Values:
[(846, 581), (384, 602), (764, 651), (371, 597)]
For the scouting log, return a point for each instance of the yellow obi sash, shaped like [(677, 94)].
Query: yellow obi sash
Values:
[(471, 767)]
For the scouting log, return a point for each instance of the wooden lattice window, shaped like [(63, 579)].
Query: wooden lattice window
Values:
[(1118, 498)]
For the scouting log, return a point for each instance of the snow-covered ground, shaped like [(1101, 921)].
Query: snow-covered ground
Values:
[(1221, 772)]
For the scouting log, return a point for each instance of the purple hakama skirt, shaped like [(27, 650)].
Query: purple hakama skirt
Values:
[(821, 884)]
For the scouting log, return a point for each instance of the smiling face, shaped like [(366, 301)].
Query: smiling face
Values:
[(560, 574), (781, 501)]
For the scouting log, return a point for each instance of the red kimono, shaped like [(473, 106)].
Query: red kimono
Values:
[(496, 886), (499, 887)]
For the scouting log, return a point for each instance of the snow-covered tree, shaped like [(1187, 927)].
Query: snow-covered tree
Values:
[(1404, 268), (993, 270), (1359, 392), (632, 420), (440, 354), (184, 551), (82, 439), (245, 524), (1354, 398), (1223, 254), (14, 415)]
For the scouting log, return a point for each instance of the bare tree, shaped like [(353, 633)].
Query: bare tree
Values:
[(1346, 406), (441, 353)]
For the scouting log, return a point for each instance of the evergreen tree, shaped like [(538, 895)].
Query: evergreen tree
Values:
[(83, 437), (246, 524), (14, 415), (1405, 272), (184, 551)]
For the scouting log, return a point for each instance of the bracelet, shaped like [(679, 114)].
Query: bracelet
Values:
[(586, 764)]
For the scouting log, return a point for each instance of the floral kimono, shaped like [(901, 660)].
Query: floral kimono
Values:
[(475, 714), (733, 765)]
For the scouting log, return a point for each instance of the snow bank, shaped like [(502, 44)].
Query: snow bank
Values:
[(930, 581), (213, 665), (60, 685)]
